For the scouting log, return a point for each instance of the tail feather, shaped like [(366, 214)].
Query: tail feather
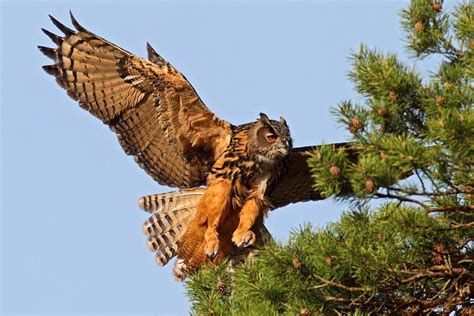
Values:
[(170, 219), (164, 254), (171, 213), (165, 244), (175, 219), (166, 202), (179, 269)]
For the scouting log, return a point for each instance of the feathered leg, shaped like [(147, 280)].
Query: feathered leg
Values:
[(253, 209), (217, 205), (200, 242)]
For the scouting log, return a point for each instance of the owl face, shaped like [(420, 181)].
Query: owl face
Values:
[(272, 141)]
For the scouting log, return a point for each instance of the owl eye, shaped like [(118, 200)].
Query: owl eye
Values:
[(271, 137)]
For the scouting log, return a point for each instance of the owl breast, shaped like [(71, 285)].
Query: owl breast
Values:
[(248, 171)]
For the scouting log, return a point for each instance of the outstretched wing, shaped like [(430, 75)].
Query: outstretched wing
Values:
[(157, 115), (298, 185)]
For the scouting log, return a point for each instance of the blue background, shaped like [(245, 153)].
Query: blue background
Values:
[(71, 236)]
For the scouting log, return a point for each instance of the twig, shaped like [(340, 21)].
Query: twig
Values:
[(431, 274), (428, 175), (463, 225), (337, 299), (341, 286), (318, 286), (451, 208), (402, 198), (421, 180), (409, 192)]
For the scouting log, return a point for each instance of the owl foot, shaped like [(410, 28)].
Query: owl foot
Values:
[(244, 239), (211, 248)]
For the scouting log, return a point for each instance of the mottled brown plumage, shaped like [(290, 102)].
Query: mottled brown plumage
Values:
[(228, 176)]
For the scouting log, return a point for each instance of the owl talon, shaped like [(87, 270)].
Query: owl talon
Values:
[(211, 255), (212, 247), (245, 239)]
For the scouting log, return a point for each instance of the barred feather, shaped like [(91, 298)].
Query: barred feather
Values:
[(171, 214), (156, 113), (170, 200), (179, 269)]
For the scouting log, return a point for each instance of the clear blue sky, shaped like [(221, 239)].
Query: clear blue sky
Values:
[(71, 229)]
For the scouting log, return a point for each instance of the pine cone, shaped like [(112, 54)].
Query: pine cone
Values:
[(328, 261), (335, 171), (382, 112), (419, 27), (393, 96), (370, 185), (305, 312), (356, 125), (440, 100), (437, 6), (222, 288), (297, 263), (439, 248), (437, 259)]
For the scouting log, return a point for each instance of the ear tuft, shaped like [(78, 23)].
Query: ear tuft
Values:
[(283, 121), (264, 118)]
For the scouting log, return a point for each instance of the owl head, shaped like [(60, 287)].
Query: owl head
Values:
[(271, 139)]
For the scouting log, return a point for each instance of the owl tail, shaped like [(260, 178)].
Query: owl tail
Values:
[(171, 213)]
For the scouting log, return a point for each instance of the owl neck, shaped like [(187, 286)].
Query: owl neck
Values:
[(239, 163)]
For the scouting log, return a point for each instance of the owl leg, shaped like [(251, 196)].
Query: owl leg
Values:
[(243, 236), (216, 205)]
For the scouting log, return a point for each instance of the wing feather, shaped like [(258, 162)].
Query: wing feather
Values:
[(298, 185), (155, 112)]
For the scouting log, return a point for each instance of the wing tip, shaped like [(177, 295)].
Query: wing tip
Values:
[(76, 24), (150, 49), (63, 28), (54, 37), (48, 51), (51, 70), (153, 56)]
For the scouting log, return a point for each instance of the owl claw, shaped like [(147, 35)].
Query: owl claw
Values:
[(211, 255), (212, 247), (245, 239)]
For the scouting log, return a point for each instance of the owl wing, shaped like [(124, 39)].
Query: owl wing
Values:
[(298, 185), (156, 113)]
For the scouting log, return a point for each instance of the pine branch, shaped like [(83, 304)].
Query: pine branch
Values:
[(338, 285), (401, 198)]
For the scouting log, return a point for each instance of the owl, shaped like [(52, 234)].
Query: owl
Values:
[(228, 176)]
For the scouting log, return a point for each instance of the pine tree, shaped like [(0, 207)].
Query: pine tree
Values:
[(413, 254)]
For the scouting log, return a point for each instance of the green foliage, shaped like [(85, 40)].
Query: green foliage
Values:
[(405, 124), (358, 262), (427, 28), (414, 254)]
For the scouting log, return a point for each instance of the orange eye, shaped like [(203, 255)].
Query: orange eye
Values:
[(271, 137)]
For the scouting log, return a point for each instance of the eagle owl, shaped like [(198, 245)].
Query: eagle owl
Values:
[(228, 176)]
